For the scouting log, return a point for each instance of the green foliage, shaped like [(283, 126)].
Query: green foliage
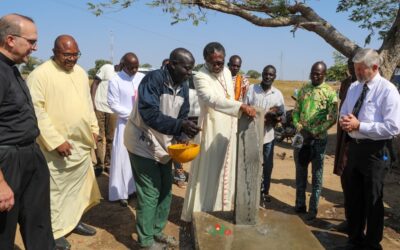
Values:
[(98, 63), (146, 65), (253, 74), (373, 15), (197, 67), (338, 71), (32, 63)]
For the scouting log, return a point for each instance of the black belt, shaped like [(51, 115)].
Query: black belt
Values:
[(21, 145), (367, 141)]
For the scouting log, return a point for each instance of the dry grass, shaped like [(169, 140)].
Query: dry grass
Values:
[(287, 87)]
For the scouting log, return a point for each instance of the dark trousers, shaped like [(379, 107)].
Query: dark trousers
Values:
[(317, 169), (153, 187), (107, 123), (363, 180), (26, 172), (268, 164)]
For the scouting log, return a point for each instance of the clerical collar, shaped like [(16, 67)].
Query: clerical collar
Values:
[(7, 60)]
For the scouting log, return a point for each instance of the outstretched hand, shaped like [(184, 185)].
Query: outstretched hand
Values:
[(190, 128), (248, 110)]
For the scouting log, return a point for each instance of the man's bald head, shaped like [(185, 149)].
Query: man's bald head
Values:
[(12, 24), (66, 52), (130, 63), (318, 72), (64, 41), (180, 54), (181, 63), (18, 37)]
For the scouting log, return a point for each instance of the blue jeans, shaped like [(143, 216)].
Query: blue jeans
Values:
[(268, 164), (317, 163)]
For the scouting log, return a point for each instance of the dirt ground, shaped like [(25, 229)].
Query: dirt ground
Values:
[(116, 225)]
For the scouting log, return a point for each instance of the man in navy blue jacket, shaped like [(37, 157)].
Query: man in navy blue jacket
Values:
[(159, 117)]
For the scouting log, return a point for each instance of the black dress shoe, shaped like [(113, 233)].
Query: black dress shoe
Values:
[(62, 244), (98, 170), (84, 229)]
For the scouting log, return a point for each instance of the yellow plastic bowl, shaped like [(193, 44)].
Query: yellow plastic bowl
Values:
[(183, 153)]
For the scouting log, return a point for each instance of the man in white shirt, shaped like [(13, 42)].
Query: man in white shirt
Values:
[(370, 115), (265, 96), (107, 120)]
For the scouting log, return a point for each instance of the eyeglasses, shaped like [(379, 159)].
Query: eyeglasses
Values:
[(32, 42), (71, 55)]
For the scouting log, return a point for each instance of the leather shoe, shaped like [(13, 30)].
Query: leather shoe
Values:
[(62, 244), (98, 170), (84, 229)]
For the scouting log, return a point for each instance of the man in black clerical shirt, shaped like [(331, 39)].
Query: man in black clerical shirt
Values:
[(24, 175)]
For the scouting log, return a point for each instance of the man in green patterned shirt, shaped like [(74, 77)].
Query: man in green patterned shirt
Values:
[(315, 112)]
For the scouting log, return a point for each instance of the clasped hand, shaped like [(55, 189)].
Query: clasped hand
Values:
[(64, 149), (349, 123)]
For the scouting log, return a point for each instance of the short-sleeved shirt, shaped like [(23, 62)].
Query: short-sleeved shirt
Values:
[(105, 73), (18, 123), (256, 96), (316, 109)]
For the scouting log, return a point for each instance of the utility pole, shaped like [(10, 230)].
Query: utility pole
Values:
[(281, 67), (111, 47)]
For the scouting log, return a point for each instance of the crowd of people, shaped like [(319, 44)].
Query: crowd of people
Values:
[(50, 124)]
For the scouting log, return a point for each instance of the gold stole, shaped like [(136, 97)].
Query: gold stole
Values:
[(238, 86)]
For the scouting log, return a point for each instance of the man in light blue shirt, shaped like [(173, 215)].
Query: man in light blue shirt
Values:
[(370, 115), (269, 98)]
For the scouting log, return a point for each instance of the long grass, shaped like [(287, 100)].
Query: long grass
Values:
[(288, 87)]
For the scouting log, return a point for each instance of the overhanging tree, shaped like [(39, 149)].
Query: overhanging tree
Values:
[(338, 71), (379, 17), (29, 66), (97, 65)]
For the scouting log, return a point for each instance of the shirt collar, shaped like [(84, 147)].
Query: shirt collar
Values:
[(124, 75), (371, 83), (6, 60), (319, 86), (271, 90)]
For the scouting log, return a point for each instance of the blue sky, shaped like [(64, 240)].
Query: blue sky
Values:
[(147, 32)]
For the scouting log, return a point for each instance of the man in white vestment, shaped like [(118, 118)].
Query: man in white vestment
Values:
[(212, 175), (68, 126), (122, 91)]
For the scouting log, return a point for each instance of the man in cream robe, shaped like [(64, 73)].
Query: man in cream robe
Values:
[(211, 184), (60, 94)]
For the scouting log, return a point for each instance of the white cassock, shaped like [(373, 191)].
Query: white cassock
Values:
[(122, 91), (211, 184)]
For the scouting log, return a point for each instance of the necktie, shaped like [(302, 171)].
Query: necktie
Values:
[(360, 100)]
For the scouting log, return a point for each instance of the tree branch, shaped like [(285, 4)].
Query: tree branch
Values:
[(300, 16)]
